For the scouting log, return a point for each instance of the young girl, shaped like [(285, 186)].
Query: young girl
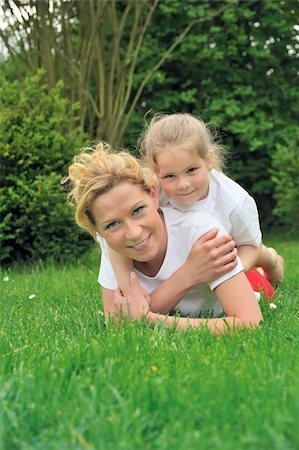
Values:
[(180, 149), (116, 200)]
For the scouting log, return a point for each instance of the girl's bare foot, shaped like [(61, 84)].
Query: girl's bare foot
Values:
[(275, 274)]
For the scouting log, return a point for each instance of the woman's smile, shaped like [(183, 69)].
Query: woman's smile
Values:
[(140, 245)]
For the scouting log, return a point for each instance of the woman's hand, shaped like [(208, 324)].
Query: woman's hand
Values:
[(133, 305), (210, 257)]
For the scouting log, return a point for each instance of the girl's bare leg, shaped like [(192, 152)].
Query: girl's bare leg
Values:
[(272, 263)]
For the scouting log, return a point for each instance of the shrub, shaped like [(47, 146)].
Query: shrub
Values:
[(38, 143), (285, 177)]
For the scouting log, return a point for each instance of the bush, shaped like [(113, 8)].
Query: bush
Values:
[(37, 146), (285, 177)]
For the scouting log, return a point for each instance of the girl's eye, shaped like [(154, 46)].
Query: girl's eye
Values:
[(111, 225), (192, 169), (138, 210), (168, 177)]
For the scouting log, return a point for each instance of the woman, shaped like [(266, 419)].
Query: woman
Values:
[(116, 201)]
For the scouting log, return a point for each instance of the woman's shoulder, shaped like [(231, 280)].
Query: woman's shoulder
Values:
[(199, 220)]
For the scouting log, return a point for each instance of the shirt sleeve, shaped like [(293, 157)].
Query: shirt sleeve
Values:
[(106, 276), (245, 223), (239, 268), (207, 223)]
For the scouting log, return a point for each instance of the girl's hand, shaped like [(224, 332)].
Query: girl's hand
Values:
[(210, 257), (134, 304)]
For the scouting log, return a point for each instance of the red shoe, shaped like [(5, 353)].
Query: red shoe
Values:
[(259, 283)]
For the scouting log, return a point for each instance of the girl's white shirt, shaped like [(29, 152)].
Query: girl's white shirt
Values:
[(182, 231), (231, 205)]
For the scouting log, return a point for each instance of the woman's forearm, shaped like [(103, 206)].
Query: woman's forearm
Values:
[(235, 295), (217, 325)]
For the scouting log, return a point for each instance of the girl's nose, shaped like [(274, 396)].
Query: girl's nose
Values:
[(183, 183)]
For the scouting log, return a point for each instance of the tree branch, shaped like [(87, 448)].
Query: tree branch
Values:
[(163, 58)]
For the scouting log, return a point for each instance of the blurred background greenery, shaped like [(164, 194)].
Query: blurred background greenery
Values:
[(73, 72)]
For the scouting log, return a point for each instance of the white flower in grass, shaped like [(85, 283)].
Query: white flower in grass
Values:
[(31, 296), (257, 296), (6, 278), (272, 306)]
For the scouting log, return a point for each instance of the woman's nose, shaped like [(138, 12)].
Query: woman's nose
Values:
[(133, 230)]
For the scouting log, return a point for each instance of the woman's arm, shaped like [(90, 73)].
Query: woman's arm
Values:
[(238, 301), (210, 257), (236, 297)]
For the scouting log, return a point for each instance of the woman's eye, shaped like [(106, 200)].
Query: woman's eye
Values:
[(111, 225), (138, 210)]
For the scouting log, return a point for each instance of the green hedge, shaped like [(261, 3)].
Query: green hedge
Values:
[(38, 141), (286, 180)]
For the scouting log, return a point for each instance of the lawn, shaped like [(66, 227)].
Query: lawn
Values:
[(66, 382)]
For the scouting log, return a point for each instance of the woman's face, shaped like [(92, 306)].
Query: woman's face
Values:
[(127, 218)]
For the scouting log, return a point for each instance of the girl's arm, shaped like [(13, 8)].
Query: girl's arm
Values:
[(249, 256), (210, 257), (235, 295), (122, 267)]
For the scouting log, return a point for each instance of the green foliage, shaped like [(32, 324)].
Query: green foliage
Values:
[(238, 71), (36, 150), (236, 67), (286, 180)]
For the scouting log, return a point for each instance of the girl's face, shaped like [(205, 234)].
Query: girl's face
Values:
[(184, 176), (127, 218)]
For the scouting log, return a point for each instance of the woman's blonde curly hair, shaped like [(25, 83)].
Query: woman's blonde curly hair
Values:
[(97, 170)]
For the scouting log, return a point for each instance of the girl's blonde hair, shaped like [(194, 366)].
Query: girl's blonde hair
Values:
[(97, 170), (180, 132)]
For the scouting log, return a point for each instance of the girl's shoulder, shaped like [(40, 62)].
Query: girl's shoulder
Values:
[(226, 186)]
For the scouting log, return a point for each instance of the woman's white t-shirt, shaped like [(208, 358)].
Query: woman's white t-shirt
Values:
[(183, 231)]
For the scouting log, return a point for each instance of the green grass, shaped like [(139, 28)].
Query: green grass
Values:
[(68, 383)]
